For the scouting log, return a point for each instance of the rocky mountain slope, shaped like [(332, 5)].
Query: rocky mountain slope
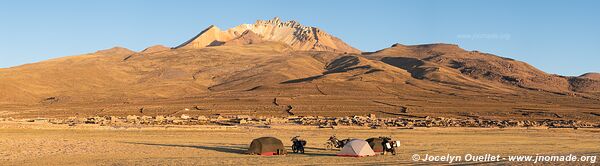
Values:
[(450, 64), (299, 37), (251, 70), (594, 76)]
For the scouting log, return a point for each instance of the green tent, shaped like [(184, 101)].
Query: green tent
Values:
[(266, 146)]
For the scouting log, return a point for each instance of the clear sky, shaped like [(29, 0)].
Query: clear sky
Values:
[(561, 37)]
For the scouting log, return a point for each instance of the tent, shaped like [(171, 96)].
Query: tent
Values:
[(356, 148), (266, 146), (376, 144)]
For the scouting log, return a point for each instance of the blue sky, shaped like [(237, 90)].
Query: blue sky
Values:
[(561, 37)]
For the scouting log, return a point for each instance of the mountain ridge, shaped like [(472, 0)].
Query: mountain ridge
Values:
[(244, 74), (298, 36)]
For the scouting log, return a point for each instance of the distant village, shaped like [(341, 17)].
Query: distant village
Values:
[(370, 121)]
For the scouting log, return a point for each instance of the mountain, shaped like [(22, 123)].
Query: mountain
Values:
[(594, 76), (266, 71), (156, 48), (299, 37), (450, 64), (586, 83)]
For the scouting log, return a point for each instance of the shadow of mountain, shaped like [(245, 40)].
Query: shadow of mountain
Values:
[(237, 149), (216, 43), (339, 65), (401, 114), (302, 79), (412, 65)]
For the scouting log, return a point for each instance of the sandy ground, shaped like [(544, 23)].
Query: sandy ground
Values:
[(37, 144)]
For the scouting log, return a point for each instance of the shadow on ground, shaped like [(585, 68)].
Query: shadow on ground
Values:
[(312, 153), (236, 149)]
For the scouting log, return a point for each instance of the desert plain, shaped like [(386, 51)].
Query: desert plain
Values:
[(43, 144)]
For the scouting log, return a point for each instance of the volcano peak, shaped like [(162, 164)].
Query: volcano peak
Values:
[(298, 36)]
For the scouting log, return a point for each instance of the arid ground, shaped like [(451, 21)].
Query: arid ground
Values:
[(42, 144)]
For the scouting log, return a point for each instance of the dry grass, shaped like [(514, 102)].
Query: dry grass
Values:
[(27, 144)]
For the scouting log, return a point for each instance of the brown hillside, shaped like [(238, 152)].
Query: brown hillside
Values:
[(595, 76), (426, 61), (264, 78), (256, 72)]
